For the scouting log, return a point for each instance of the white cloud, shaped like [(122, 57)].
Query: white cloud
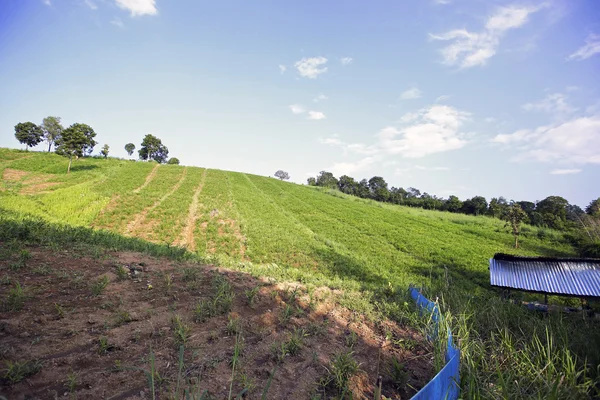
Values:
[(412, 93), (311, 67), (565, 171), (442, 2), (470, 49), (347, 168), (591, 47), (297, 109), (116, 21), (320, 97), (572, 142), (555, 103), (442, 98), (433, 129), (138, 7), (346, 61), (316, 115), (403, 171), (47, 2), (91, 4), (490, 119), (282, 68)]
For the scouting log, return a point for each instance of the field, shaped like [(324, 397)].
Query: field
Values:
[(365, 253)]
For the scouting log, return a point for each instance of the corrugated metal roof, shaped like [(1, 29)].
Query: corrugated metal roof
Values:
[(568, 276)]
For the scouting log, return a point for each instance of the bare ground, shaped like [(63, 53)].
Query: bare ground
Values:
[(187, 236), (95, 346), (149, 178)]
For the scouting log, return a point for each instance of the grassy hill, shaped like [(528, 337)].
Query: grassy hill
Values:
[(368, 250)]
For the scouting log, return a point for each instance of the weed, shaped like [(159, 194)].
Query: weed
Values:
[(16, 298), (169, 282), (43, 270), (251, 295), (122, 317), (19, 370), (237, 352), (60, 311), (342, 368), (233, 327), (181, 330), (397, 372), (291, 295), (99, 286), (294, 343), (5, 280), (190, 274), (286, 313), (71, 381), (351, 339), (104, 346), (122, 273)]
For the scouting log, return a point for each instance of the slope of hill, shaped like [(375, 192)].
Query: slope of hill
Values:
[(368, 250)]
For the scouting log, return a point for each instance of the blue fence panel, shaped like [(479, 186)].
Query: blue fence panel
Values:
[(445, 384)]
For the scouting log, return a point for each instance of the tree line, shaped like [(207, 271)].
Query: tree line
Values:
[(78, 141), (552, 212)]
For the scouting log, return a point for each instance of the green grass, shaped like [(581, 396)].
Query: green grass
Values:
[(318, 237)]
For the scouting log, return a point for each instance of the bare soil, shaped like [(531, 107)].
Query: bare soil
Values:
[(97, 346), (187, 236), (149, 178)]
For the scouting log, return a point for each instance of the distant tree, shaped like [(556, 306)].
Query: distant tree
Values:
[(497, 207), (75, 142), (453, 204), (574, 213), (397, 195), (414, 193), (347, 185), (379, 188), (52, 130), (29, 134), (593, 208), (362, 190), (553, 210), (475, 206), (282, 175), (104, 150), (312, 181), (153, 149), (514, 216), (326, 179), (529, 208), (173, 160), (130, 148)]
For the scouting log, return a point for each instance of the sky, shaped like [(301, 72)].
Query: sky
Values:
[(463, 97)]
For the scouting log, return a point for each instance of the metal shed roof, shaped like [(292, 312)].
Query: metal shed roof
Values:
[(563, 276)]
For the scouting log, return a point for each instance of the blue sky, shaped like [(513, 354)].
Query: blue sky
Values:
[(459, 97)]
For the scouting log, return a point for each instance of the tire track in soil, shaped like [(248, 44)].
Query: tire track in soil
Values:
[(149, 178), (187, 235), (133, 225)]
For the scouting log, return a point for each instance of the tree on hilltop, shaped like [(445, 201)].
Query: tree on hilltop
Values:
[(173, 161), (29, 134), (514, 216), (153, 149), (130, 148), (282, 175), (593, 208), (104, 151), (52, 130), (75, 141)]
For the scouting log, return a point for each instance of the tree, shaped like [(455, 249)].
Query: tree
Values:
[(130, 148), (379, 188), (153, 149), (75, 142), (347, 185), (553, 210), (513, 216), (29, 134), (312, 181), (282, 175), (593, 208), (52, 130), (326, 179), (104, 150), (475, 206), (453, 204), (173, 161)]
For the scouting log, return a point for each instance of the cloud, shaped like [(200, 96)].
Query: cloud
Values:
[(442, 2), (403, 171), (116, 21), (575, 141), (431, 130), (346, 61), (311, 67), (555, 103), (316, 115), (138, 7), (297, 109), (413, 93), (490, 119), (320, 97), (282, 68), (442, 98), (47, 2), (90, 4), (470, 49), (591, 47), (347, 168), (565, 171)]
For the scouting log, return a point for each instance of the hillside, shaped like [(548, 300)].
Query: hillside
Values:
[(366, 253)]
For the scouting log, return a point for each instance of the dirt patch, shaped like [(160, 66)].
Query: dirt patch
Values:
[(149, 178), (38, 188), (14, 175), (86, 342), (135, 223), (187, 236)]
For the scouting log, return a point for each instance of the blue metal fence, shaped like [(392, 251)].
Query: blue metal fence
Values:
[(445, 384)]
